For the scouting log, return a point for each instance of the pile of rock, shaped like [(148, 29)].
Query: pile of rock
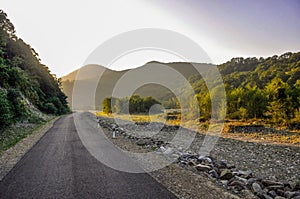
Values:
[(247, 128), (228, 176), (237, 180)]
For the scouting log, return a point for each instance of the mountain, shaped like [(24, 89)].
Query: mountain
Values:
[(255, 87), (109, 78)]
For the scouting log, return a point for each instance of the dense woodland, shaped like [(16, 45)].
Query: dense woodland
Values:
[(257, 88), (25, 83)]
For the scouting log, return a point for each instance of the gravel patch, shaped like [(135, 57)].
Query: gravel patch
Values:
[(182, 182), (276, 165)]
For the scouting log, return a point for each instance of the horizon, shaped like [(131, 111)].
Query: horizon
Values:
[(137, 66), (223, 30)]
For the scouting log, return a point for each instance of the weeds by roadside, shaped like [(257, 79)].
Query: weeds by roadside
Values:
[(11, 135)]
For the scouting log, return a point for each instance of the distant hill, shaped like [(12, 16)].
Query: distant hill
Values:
[(109, 79)]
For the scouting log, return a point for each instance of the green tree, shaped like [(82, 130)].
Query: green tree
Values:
[(106, 105), (279, 100)]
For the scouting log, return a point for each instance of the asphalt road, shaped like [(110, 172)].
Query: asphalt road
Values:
[(60, 166)]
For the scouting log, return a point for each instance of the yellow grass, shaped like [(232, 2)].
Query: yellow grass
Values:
[(141, 118), (284, 138)]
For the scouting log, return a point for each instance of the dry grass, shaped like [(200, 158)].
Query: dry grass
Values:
[(141, 118), (274, 136)]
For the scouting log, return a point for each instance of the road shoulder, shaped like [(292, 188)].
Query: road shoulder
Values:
[(10, 157)]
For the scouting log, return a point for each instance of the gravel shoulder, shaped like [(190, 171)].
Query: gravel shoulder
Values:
[(266, 162), (10, 157), (182, 182)]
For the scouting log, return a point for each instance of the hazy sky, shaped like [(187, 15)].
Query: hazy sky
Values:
[(65, 32)]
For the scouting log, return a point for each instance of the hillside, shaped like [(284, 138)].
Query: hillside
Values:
[(26, 85), (255, 87), (109, 79)]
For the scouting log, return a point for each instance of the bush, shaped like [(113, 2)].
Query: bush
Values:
[(18, 104), (6, 114), (50, 108)]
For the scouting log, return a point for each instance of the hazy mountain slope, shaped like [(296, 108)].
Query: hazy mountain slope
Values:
[(109, 78)]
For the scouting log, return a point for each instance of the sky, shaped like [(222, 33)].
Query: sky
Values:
[(65, 33)]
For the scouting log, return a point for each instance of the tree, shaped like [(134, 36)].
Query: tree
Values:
[(106, 106), (21, 69), (279, 100)]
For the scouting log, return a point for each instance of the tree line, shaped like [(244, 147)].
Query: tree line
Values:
[(257, 88), (24, 80), (133, 104)]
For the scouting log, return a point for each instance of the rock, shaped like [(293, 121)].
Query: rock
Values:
[(256, 188), (169, 151), (291, 194), (275, 187), (250, 181), (280, 192), (272, 193), (270, 183), (226, 174), (243, 180), (296, 187), (159, 142), (245, 174), (201, 167), (214, 173), (224, 183), (236, 183), (205, 159), (279, 197), (163, 149), (287, 186), (191, 163), (187, 156), (237, 188), (183, 162), (221, 164), (266, 196), (175, 156)]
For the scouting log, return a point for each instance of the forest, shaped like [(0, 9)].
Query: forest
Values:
[(25, 83), (264, 88)]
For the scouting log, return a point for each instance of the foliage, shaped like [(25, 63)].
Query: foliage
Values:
[(6, 113), (257, 88), (23, 76), (106, 105), (134, 104)]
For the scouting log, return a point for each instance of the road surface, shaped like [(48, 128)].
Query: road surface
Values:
[(60, 166)]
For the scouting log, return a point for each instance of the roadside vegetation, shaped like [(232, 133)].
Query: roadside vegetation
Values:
[(14, 133), (28, 91)]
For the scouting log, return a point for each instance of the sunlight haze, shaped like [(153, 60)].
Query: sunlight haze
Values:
[(64, 33)]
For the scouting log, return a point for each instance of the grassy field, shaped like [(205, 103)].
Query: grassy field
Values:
[(269, 135), (141, 118)]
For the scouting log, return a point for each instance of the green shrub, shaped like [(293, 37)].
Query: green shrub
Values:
[(50, 108), (6, 114)]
